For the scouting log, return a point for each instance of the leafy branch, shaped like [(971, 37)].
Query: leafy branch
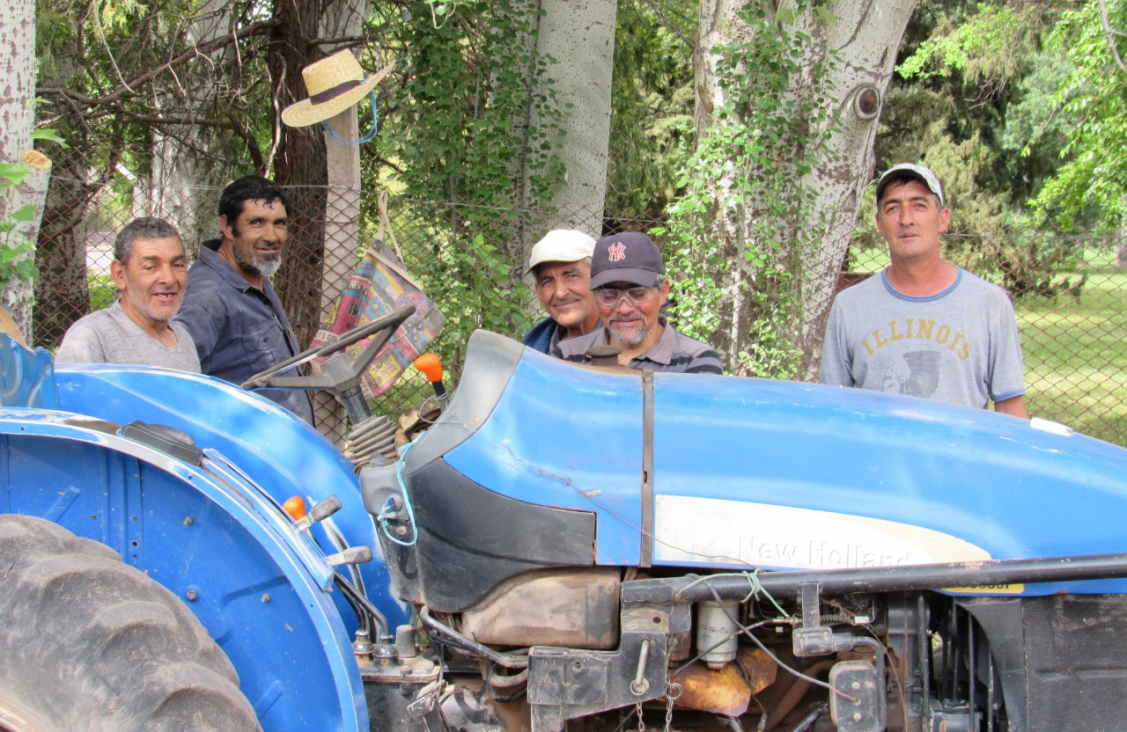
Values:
[(17, 255)]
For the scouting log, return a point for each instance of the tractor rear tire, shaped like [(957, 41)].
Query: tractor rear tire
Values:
[(90, 643)]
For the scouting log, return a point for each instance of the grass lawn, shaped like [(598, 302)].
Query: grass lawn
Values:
[(1075, 351)]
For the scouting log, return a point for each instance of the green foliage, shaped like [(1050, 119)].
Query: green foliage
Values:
[(976, 101), (1036, 126), (1027, 261), (1029, 95), (652, 111), (17, 255), (963, 69), (746, 221), (103, 291), (462, 136), (1092, 182), (217, 105), (980, 47), (471, 83)]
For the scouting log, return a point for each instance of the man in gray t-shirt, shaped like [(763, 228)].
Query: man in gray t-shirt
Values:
[(150, 269), (924, 327)]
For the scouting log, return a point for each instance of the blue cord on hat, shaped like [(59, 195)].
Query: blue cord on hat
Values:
[(368, 136)]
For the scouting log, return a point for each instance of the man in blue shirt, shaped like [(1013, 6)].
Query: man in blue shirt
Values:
[(230, 308), (560, 265)]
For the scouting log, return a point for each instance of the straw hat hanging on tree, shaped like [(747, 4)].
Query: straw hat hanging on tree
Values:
[(334, 83)]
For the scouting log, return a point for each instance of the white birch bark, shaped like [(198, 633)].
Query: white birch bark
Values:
[(17, 119), (579, 36), (866, 38)]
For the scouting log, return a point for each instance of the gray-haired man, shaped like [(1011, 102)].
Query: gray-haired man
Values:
[(149, 269), (560, 264), (628, 280)]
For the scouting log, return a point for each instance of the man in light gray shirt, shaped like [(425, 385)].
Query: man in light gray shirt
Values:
[(924, 327), (150, 269)]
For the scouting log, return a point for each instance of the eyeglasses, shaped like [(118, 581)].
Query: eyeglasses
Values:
[(635, 296)]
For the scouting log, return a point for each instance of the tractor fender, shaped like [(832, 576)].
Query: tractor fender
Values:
[(210, 536), (282, 454)]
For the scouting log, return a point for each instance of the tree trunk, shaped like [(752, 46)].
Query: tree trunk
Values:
[(579, 35), (17, 118), (342, 174), (301, 166), (866, 38), (780, 220), (60, 257), (178, 161)]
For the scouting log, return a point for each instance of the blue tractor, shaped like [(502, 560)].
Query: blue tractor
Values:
[(558, 548)]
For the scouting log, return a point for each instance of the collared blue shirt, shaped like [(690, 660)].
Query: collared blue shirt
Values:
[(239, 330), (542, 336)]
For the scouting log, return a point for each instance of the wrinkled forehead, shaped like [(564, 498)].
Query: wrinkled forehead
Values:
[(550, 269), (164, 248), (257, 208), (905, 189)]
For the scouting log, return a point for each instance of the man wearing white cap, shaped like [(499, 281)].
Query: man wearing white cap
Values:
[(560, 265), (924, 327)]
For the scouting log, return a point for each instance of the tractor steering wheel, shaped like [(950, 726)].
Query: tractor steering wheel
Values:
[(339, 374)]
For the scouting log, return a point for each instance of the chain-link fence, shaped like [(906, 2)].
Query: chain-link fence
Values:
[(1070, 293)]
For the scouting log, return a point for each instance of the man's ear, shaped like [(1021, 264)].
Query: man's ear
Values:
[(117, 272), (225, 227), (944, 220)]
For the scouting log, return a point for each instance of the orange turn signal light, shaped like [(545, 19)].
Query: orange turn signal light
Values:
[(295, 507)]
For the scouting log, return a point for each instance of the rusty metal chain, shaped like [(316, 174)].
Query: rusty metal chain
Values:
[(672, 693)]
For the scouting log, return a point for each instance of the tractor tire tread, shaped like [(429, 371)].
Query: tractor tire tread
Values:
[(128, 653)]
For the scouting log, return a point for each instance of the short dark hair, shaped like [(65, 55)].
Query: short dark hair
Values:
[(146, 227), (249, 188)]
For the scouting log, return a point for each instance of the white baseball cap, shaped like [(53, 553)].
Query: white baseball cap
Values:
[(561, 245), (910, 171)]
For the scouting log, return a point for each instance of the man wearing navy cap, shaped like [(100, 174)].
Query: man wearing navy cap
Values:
[(628, 280), (924, 327)]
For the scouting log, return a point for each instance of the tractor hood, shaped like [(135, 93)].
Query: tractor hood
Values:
[(728, 471)]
